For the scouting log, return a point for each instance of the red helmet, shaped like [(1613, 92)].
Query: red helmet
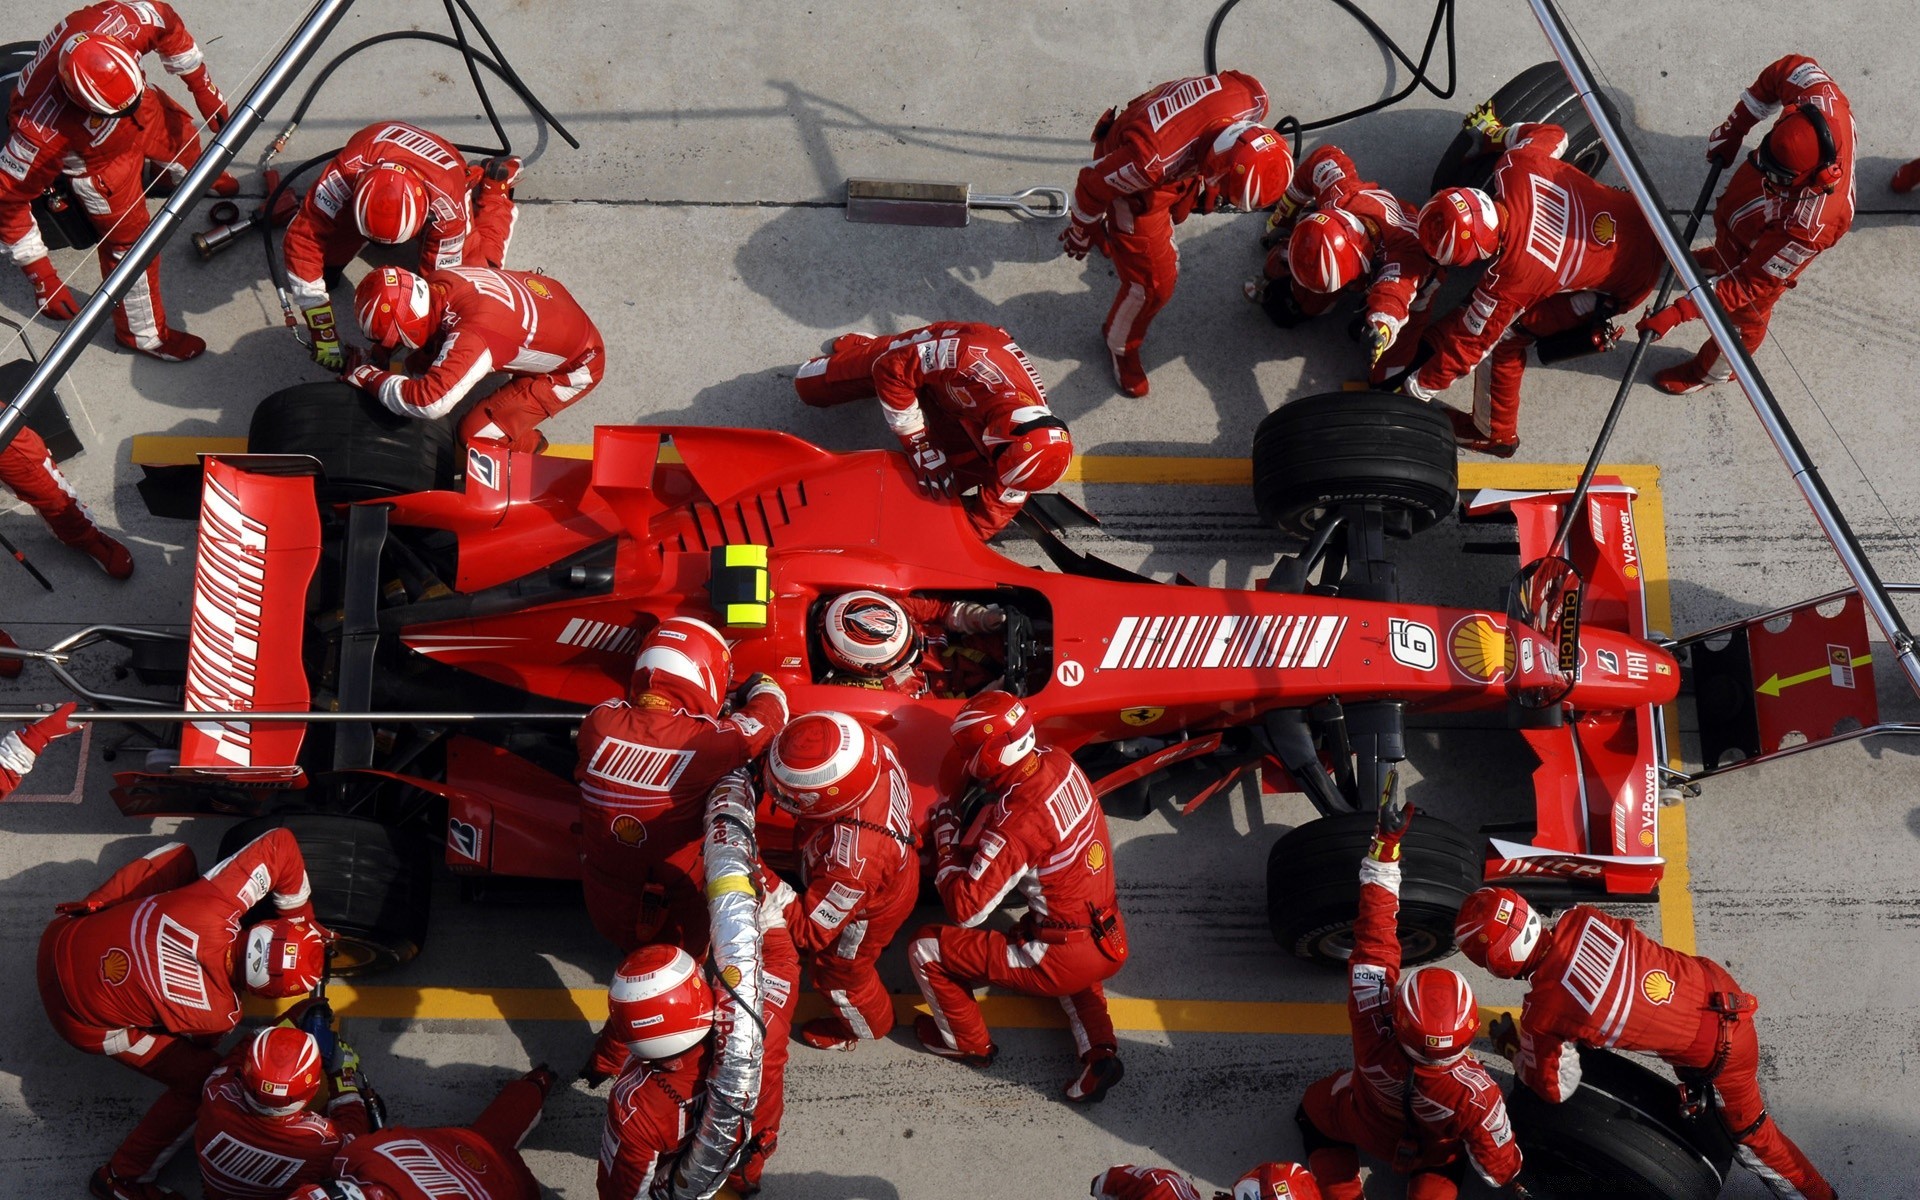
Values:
[(1434, 1015), (1277, 1181), (1460, 226), (395, 306), (869, 633), (658, 1003), (823, 764), (101, 75), (1250, 164), (1799, 152), (281, 1072), (1329, 249), (994, 734), (1030, 447), (389, 203), (691, 651), (1498, 930), (284, 958)]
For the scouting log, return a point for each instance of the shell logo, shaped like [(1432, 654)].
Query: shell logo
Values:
[(1096, 857), (539, 289), (1657, 986), (1646, 838), (1480, 649), (1604, 229), (470, 1158), (730, 977), (629, 830), (115, 966)]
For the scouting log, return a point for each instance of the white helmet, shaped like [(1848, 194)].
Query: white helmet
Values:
[(869, 633)]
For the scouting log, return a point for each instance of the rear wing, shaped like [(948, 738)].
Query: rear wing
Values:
[(259, 545)]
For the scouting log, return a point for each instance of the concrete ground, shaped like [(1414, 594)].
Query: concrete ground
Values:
[(699, 224)]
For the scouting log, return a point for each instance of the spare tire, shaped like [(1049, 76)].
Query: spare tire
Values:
[(372, 884), (365, 452), (1618, 1134), (1313, 886), (1542, 92), (1313, 454)]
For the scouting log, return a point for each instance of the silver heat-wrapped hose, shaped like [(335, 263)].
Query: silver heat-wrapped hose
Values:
[(733, 903)]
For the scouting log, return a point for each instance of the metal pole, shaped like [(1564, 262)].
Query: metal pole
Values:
[(247, 116), (148, 717), (1852, 556)]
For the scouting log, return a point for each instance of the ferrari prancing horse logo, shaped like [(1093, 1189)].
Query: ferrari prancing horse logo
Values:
[(1144, 715)]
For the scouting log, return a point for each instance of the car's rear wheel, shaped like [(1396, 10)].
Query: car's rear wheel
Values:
[(1539, 93), (364, 451), (372, 884), (1313, 886), (1618, 1134), (1314, 454)]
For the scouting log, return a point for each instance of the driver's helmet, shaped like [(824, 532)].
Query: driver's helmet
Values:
[(869, 634)]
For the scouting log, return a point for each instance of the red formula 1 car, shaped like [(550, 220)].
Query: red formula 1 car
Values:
[(347, 567)]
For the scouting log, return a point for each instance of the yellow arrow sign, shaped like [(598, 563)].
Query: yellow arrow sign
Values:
[(1774, 685)]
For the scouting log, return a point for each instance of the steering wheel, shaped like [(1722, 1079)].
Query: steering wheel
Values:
[(1023, 649)]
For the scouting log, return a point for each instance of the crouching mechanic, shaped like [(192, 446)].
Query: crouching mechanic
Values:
[(273, 1116), (1415, 1096), (965, 402), (1565, 254), (1191, 145), (466, 322), (28, 471), (149, 968), (393, 182), (1268, 1181), (661, 1005), (1040, 830), (479, 1161), (1333, 232), (1596, 980), (914, 645), (1790, 200), (853, 821), (83, 107)]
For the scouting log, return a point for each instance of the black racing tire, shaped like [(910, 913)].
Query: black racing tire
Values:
[(1601, 1141), (1313, 454), (365, 452), (1539, 93), (1313, 886), (372, 884)]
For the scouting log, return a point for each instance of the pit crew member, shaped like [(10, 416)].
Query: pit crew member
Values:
[(83, 107), (1791, 199), (149, 968), (662, 1006), (1040, 830), (1415, 1096), (466, 322), (21, 748), (28, 471), (914, 645), (1596, 980), (1268, 1181), (393, 182), (478, 1161), (646, 766), (1334, 232), (853, 823), (1566, 253), (965, 402), (272, 1116)]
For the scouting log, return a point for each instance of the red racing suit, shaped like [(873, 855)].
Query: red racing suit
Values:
[(480, 1161), (646, 766), (949, 381), (1422, 1119), (1602, 982), (863, 876), (1046, 836), (143, 970), (959, 656), (524, 324), (103, 157), (1567, 244), (1145, 180), (246, 1154), (1762, 242), (28, 471), (1400, 279), (1142, 1183), (324, 237)]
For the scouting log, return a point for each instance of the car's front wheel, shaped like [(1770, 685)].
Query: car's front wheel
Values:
[(1313, 886)]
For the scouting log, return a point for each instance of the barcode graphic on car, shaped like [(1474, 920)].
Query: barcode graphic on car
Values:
[(1189, 643)]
